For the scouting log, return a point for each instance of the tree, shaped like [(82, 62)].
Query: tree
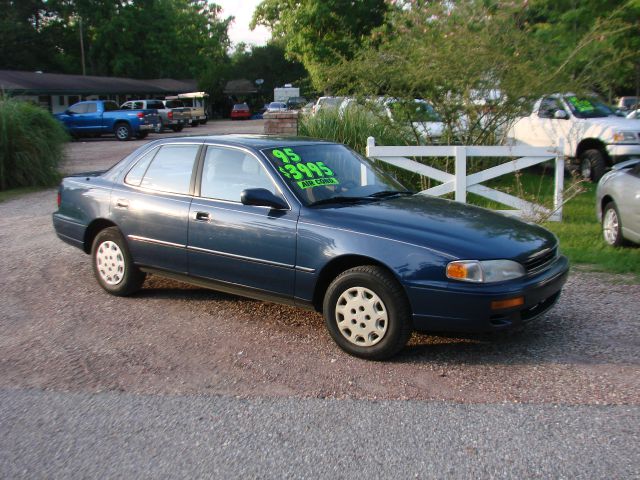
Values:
[(320, 32)]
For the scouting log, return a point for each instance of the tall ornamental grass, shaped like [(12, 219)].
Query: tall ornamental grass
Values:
[(31, 145)]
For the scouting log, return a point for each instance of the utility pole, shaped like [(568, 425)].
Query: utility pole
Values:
[(84, 70)]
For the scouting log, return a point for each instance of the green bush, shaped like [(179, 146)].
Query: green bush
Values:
[(31, 145)]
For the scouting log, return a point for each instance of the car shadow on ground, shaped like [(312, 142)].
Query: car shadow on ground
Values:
[(550, 339)]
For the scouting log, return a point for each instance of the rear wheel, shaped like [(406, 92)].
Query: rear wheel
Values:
[(611, 226), (159, 126), (112, 264), (142, 135), (367, 313), (177, 128), (123, 132), (592, 165)]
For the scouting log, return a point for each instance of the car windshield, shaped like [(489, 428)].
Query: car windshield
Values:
[(583, 107), (327, 173)]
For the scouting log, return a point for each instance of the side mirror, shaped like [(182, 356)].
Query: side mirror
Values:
[(261, 197), (560, 115)]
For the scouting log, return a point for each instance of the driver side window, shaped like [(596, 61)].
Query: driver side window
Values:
[(227, 172)]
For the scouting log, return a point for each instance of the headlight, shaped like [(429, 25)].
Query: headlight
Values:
[(625, 137), (486, 271)]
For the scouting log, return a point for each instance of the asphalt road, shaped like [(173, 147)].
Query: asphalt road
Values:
[(70, 435), (180, 382)]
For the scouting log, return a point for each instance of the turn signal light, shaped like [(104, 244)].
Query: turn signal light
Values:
[(510, 303), (457, 270)]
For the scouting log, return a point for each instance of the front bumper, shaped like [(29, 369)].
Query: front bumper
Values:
[(462, 307)]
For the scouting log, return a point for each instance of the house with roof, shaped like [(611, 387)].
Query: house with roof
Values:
[(56, 92)]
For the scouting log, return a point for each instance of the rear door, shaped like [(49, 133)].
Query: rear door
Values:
[(238, 244), (151, 206)]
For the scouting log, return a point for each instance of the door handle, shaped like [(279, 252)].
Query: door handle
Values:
[(202, 217), (122, 203)]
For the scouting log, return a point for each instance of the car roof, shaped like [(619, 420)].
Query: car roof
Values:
[(256, 142)]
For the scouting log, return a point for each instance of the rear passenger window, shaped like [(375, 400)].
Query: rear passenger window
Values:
[(169, 171), (227, 172), (134, 177)]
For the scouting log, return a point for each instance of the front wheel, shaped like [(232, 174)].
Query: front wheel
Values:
[(123, 132), (611, 226), (112, 264), (367, 313), (592, 165)]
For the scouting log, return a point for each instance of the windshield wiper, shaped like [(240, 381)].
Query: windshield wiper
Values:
[(390, 193), (326, 201)]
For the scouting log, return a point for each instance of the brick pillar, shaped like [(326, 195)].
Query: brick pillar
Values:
[(281, 123)]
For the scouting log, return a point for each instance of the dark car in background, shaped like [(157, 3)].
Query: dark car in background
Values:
[(311, 224), (240, 111)]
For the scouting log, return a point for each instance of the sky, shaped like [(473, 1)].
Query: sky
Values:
[(239, 31)]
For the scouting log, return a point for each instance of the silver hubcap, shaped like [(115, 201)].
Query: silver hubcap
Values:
[(123, 132), (361, 316), (110, 263), (610, 226)]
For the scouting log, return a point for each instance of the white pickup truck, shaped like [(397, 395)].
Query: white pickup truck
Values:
[(590, 132)]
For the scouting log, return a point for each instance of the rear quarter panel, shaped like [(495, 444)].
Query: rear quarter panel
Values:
[(83, 200)]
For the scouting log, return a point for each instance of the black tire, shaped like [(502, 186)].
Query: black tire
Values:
[(177, 128), (121, 277), (593, 165), (142, 135), (391, 302), (612, 226), (122, 131), (195, 123), (204, 122), (160, 126)]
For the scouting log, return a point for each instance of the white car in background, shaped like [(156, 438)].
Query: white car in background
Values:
[(588, 129)]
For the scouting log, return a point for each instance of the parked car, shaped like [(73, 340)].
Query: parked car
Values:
[(326, 103), (240, 111), (171, 113), (196, 103), (312, 224), (422, 117), (98, 117), (618, 203), (277, 107), (296, 103), (590, 131)]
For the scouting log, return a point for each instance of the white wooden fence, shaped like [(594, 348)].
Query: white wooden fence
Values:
[(460, 183)]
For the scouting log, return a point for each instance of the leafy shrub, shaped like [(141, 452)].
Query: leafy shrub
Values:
[(31, 145)]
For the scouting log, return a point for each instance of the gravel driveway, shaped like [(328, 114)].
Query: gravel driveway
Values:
[(61, 332)]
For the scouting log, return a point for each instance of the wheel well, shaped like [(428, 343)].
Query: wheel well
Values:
[(593, 144), (334, 268), (93, 229), (121, 122), (606, 199)]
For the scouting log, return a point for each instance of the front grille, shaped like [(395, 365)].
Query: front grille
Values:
[(540, 260)]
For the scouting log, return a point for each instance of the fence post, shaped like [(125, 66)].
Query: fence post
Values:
[(461, 174), (559, 185)]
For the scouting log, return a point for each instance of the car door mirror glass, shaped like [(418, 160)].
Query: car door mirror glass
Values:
[(560, 115), (261, 197)]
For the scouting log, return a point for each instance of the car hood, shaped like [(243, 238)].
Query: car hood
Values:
[(457, 230)]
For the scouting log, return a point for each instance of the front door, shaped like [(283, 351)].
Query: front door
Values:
[(238, 244)]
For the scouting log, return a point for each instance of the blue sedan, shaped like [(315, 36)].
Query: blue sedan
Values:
[(312, 224)]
